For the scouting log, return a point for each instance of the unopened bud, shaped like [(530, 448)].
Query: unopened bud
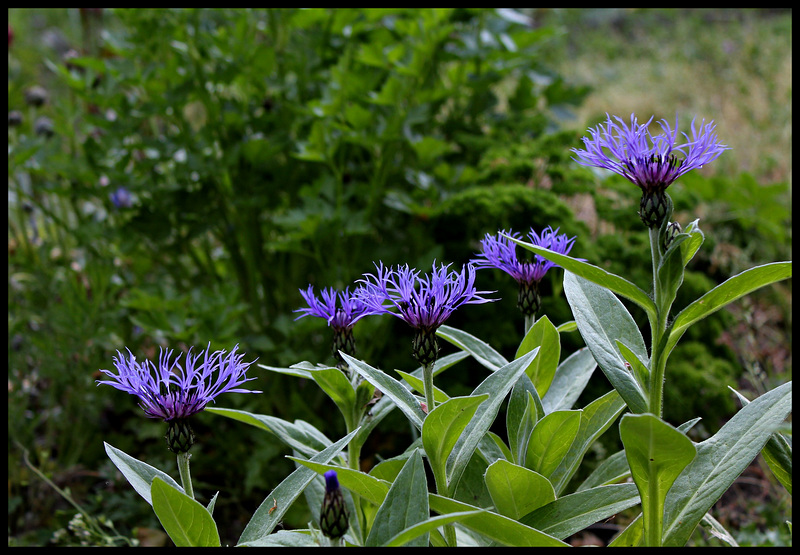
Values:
[(333, 520)]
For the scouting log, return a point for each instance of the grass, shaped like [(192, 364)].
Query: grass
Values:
[(733, 66)]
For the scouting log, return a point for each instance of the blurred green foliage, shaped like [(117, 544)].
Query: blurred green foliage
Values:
[(263, 150)]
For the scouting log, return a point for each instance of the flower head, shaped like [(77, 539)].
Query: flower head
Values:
[(341, 310), (499, 251), (172, 391), (651, 162), (333, 520), (424, 302), (121, 198)]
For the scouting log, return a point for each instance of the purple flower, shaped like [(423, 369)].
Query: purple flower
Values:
[(500, 252), (172, 391), (341, 310), (424, 302), (651, 162), (121, 198)]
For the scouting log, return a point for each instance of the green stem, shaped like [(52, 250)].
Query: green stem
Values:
[(183, 470), (427, 380), (529, 321), (653, 524), (658, 328)]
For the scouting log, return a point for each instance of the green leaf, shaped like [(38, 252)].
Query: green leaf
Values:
[(140, 475), (574, 512), (297, 370), (333, 382), (523, 412), (596, 418), (597, 275), (720, 459), (691, 245), (670, 275), (479, 350), (497, 386), (542, 369), (186, 521), (405, 505), (404, 537), (298, 435), (657, 453), (286, 538), (271, 511), (603, 320), (639, 368), (442, 428), (777, 453), (612, 470), (368, 487), (391, 388), (570, 379), (500, 528), (550, 440), (725, 293), (631, 536), (718, 530), (418, 385), (516, 490)]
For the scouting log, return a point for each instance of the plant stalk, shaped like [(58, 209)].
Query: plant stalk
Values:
[(186, 477)]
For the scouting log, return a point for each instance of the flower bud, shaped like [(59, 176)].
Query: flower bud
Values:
[(333, 520), (14, 118), (672, 231), (43, 126), (529, 301), (425, 346), (36, 96), (180, 436)]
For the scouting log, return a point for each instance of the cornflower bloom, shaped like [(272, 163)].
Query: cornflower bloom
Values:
[(174, 392), (341, 310), (333, 519), (651, 162), (424, 302), (499, 251)]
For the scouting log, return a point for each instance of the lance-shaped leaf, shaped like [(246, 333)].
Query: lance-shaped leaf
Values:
[(405, 505), (596, 418), (571, 378), (271, 511), (186, 521), (597, 275), (720, 459), (298, 435), (391, 388), (603, 320), (497, 386), (140, 475), (657, 453), (502, 529), (480, 350), (542, 369), (777, 453), (338, 387), (725, 293), (574, 512), (404, 537), (523, 412), (442, 428)]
